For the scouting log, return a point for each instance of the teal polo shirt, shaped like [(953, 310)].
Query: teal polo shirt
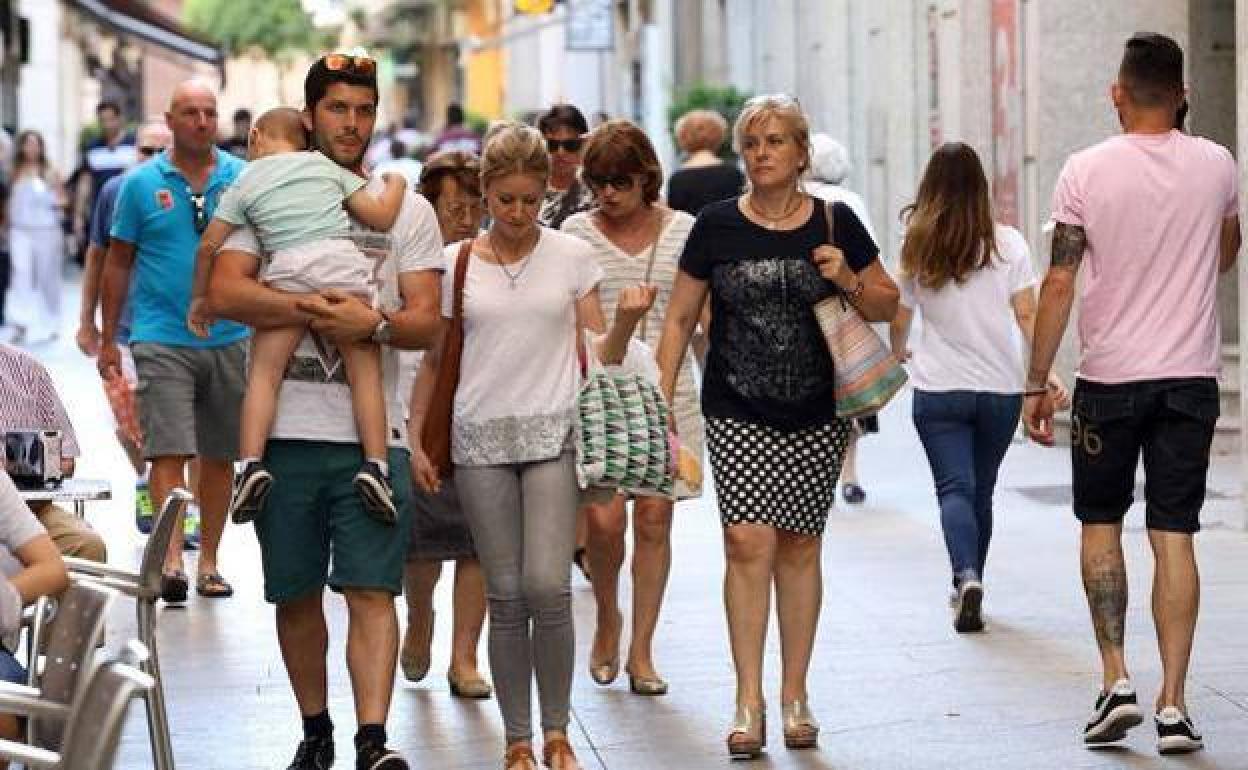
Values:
[(155, 212)]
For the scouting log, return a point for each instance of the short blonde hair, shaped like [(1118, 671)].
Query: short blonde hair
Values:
[(514, 148), (701, 130), (783, 108)]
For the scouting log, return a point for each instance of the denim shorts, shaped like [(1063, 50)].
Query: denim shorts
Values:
[(1170, 423)]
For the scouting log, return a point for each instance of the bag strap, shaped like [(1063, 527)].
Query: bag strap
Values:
[(654, 250), (461, 277), (829, 213)]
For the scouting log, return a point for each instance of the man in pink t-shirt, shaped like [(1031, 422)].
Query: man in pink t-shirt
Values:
[(1153, 213)]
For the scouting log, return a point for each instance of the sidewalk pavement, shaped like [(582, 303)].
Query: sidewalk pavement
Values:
[(892, 684)]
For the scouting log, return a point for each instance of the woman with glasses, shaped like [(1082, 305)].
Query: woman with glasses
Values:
[(635, 239), (37, 202), (765, 259), (564, 129), (451, 181)]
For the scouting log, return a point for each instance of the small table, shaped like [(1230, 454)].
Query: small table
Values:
[(76, 491)]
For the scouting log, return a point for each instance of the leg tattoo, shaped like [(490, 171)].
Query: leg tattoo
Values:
[(1105, 582)]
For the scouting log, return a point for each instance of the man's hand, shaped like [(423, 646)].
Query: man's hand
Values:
[(88, 339), (108, 360), (340, 317), (1038, 417), (198, 319)]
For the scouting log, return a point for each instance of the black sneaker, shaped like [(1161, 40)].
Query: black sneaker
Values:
[(374, 490), (967, 609), (251, 489), (1116, 712), (1175, 732), (373, 757), (314, 754)]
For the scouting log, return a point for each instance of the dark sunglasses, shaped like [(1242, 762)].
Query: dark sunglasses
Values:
[(358, 65), (567, 145), (621, 182), (148, 151), (199, 203)]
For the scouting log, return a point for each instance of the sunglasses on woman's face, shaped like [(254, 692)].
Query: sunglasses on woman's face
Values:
[(621, 182), (567, 145), (148, 152)]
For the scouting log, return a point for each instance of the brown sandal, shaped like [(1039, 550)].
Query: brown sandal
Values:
[(557, 749), (517, 753)]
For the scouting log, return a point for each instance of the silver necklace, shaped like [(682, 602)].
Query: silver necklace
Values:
[(512, 278)]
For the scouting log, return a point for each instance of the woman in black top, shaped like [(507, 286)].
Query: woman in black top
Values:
[(704, 177), (775, 441)]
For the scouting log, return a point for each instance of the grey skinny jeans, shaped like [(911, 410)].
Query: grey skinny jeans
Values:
[(523, 522)]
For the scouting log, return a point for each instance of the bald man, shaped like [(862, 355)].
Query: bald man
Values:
[(190, 387)]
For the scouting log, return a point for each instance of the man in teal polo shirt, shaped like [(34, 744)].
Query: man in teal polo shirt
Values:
[(190, 388)]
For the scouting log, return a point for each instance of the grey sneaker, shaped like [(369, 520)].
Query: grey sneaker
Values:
[(967, 610), (374, 490)]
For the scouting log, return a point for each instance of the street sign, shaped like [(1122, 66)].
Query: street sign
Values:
[(589, 25)]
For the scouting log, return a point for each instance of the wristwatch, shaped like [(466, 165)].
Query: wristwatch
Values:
[(381, 333)]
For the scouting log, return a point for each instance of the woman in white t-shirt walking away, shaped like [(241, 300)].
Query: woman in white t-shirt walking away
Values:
[(972, 283)]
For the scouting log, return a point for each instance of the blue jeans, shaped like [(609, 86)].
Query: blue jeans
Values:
[(965, 435)]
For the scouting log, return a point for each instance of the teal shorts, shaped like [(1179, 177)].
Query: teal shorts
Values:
[(314, 511)]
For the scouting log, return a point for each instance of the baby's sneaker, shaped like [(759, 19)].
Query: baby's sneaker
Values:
[(373, 487), (251, 490)]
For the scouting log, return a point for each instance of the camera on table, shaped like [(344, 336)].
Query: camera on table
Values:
[(33, 458)]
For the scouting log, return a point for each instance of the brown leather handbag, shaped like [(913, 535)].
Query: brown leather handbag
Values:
[(435, 431)]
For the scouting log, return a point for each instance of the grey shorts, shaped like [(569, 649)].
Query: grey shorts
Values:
[(190, 398)]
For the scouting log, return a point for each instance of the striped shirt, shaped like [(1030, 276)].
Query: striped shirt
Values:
[(28, 399)]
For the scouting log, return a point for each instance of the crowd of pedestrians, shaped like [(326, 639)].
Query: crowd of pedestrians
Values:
[(515, 259)]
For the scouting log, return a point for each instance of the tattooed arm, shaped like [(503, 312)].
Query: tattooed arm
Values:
[(1057, 297)]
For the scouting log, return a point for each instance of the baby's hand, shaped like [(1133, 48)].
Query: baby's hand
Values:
[(199, 319)]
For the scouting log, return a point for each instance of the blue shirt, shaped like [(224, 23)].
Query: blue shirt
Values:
[(101, 223), (155, 212)]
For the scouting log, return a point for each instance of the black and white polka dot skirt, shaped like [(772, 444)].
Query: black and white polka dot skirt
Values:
[(767, 476)]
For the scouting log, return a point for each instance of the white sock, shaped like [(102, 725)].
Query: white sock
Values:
[(385, 466)]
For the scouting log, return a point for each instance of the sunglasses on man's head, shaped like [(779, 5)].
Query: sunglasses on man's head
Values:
[(357, 65), (567, 145), (621, 182)]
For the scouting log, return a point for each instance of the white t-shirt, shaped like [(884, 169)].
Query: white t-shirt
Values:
[(314, 403), (968, 337), (519, 378)]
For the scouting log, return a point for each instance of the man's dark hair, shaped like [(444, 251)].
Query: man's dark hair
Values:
[(1152, 70), (562, 116), (454, 115), (241, 114), (108, 104), (320, 78)]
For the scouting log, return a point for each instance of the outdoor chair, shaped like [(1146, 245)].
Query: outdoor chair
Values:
[(63, 660), (93, 726), (144, 587)]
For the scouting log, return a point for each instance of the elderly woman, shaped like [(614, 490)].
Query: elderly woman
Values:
[(451, 182), (828, 169), (564, 129), (705, 177), (776, 444), (635, 239)]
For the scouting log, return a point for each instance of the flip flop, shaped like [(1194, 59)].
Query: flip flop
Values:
[(174, 586), (213, 586)]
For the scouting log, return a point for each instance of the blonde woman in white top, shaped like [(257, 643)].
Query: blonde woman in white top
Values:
[(635, 239)]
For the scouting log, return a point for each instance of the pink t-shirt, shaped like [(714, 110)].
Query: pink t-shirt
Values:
[(1152, 207)]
